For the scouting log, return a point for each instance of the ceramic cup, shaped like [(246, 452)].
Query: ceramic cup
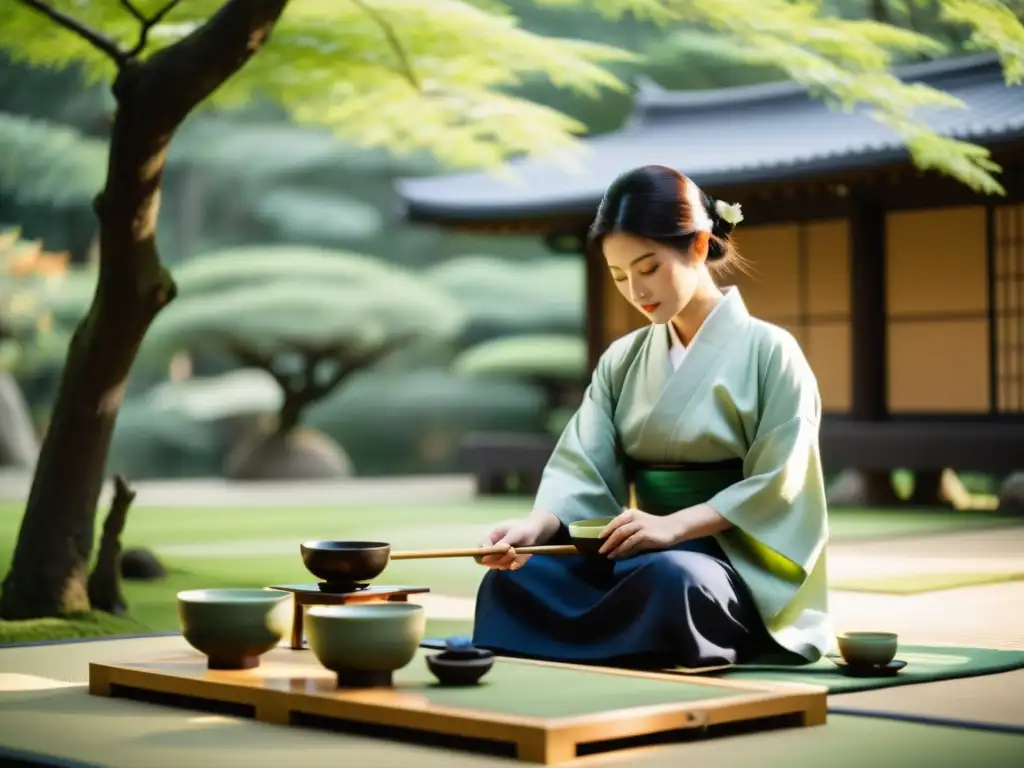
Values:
[(364, 644), (867, 649), (233, 627)]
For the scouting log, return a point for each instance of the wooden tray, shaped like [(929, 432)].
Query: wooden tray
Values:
[(536, 711)]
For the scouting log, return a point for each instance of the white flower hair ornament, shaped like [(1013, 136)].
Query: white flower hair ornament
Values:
[(731, 213)]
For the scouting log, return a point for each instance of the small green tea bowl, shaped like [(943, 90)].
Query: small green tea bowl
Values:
[(363, 644), (586, 536), (233, 627), (867, 649)]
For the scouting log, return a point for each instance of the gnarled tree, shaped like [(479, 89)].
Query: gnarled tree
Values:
[(154, 95), (403, 75), (311, 318)]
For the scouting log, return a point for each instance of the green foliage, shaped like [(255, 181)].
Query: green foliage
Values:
[(994, 25), (264, 150), (42, 162), (243, 392), (500, 295), (276, 300), (415, 421), (389, 423), (165, 443), (304, 214), (337, 64), (240, 266), (536, 356), (847, 62), (410, 75)]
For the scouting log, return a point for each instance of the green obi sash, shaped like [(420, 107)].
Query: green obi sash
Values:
[(662, 489)]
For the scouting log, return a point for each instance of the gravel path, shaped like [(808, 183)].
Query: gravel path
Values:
[(214, 492)]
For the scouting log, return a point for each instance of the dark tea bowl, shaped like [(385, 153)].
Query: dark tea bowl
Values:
[(345, 562), (460, 663), (586, 537)]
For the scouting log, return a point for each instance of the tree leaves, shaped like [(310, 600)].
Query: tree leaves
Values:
[(431, 76), (995, 25), (331, 64), (847, 62)]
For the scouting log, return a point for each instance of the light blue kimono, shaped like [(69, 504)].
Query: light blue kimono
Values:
[(738, 420)]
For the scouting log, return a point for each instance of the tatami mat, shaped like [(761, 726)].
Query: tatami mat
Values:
[(42, 693), (994, 700), (121, 734), (69, 662)]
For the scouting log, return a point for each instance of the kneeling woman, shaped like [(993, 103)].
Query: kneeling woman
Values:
[(711, 417)]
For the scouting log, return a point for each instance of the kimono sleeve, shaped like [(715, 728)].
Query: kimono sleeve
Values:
[(584, 478), (778, 510)]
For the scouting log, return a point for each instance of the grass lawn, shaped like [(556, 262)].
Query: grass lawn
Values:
[(242, 547)]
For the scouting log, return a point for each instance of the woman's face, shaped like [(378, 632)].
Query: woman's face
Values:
[(656, 279)]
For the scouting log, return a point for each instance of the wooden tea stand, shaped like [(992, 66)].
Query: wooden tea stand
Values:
[(291, 688), (305, 595)]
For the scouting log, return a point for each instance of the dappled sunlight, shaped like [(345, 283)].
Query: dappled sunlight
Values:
[(11, 682)]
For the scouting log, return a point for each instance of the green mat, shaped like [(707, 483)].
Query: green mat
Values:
[(918, 583), (925, 664), (530, 690)]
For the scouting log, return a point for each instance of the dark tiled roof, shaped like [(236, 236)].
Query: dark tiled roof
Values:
[(721, 138)]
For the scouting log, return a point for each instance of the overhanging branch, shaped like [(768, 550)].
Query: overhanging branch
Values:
[(184, 74), (147, 23), (393, 42), (96, 38)]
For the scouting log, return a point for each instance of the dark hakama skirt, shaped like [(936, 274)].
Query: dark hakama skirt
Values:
[(685, 606)]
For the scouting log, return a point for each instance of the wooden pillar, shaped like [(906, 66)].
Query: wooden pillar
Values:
[(869, 344), (854, 487), (573, 240)]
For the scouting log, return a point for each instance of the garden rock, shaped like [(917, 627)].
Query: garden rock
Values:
[(140, 564), (303, 454), (1011, 494)]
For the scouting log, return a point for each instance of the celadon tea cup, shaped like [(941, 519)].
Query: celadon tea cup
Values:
[(867, 649)]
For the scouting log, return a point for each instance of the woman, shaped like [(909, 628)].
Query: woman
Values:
[(710, 417)]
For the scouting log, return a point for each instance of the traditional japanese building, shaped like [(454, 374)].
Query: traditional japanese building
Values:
[(905, 288)]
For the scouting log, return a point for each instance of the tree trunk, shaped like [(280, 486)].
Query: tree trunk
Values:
[(292, 407), (51, 560), (49, 569), (104, 586)]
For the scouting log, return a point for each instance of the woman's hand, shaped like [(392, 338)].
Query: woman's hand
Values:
[(634, 531), (511, 534)]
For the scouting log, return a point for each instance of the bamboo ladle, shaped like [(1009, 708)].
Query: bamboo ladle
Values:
[(424, 554), (353, 562)]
